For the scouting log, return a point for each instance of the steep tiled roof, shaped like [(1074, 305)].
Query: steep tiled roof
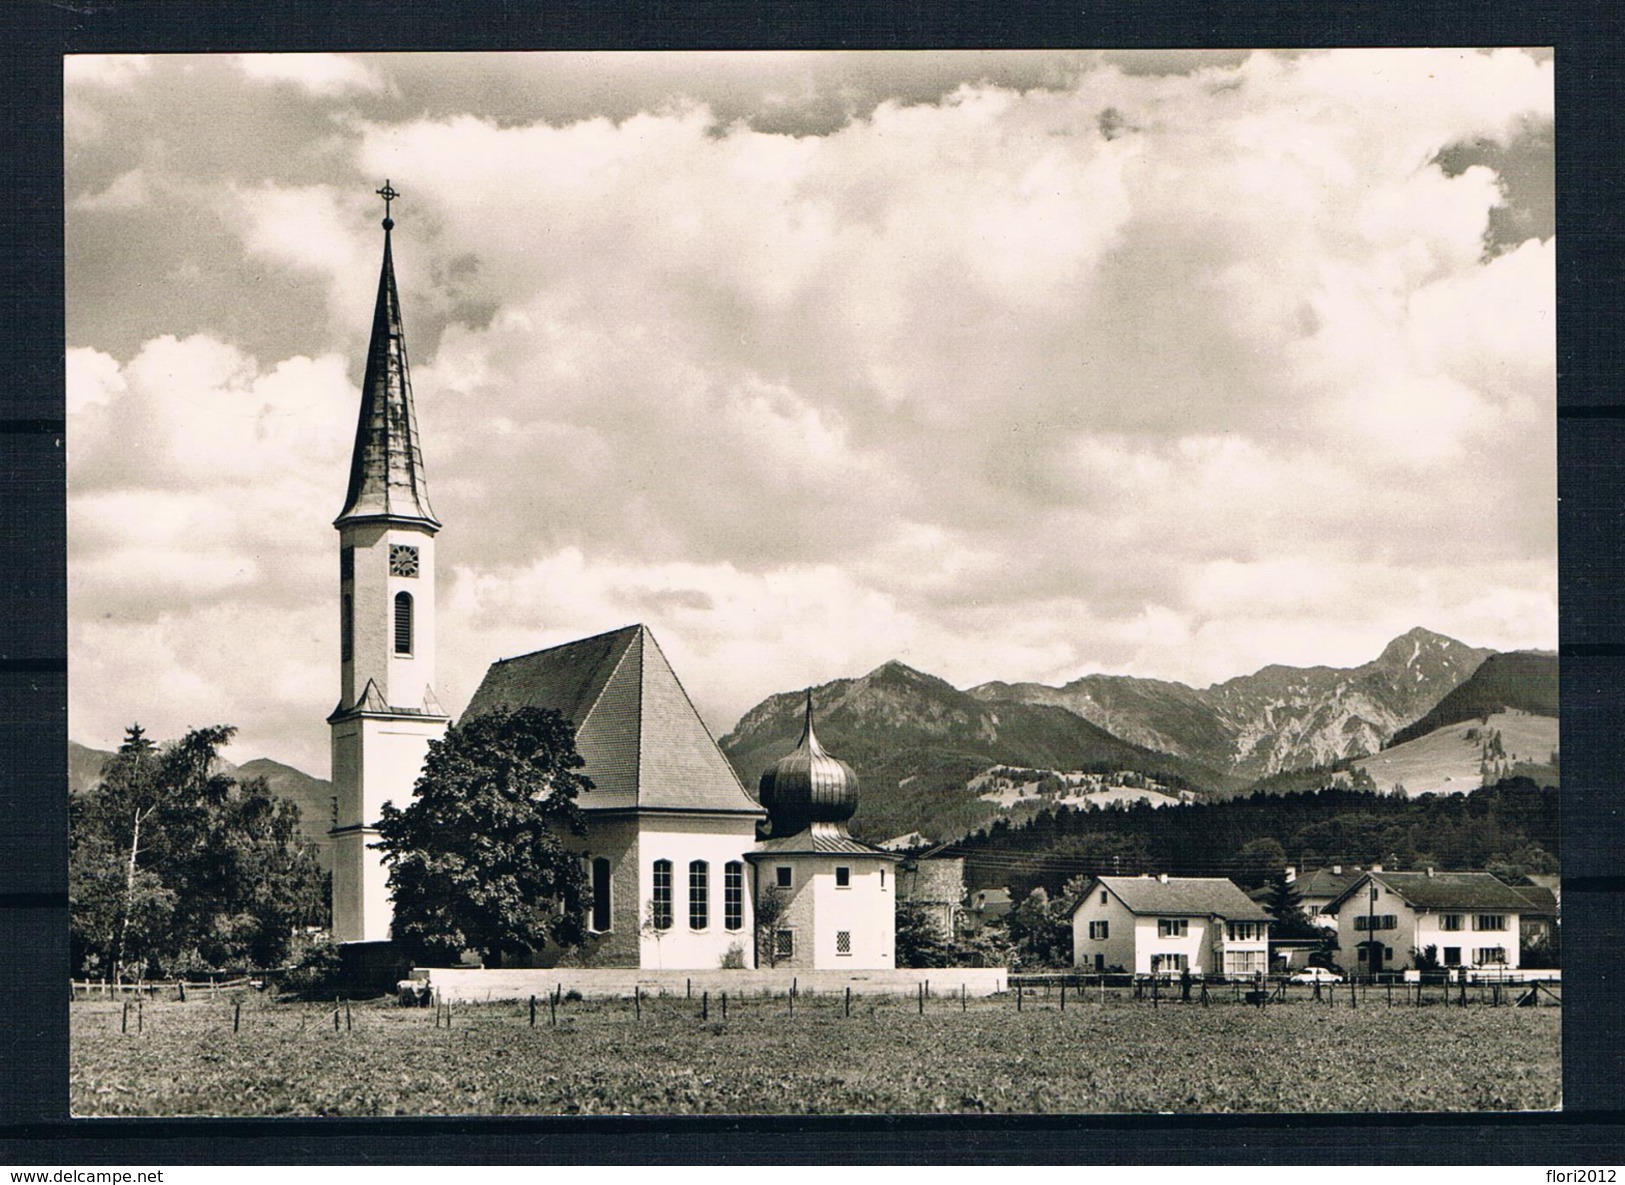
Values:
[(643, 743), (1323, 882), (1444, 890), (1184, 895), (819, 839)]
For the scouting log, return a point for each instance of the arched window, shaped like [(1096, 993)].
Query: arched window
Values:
[(600, 894), (699, 905), (346, 627), (661, 901), (733, 895), (403, 623)]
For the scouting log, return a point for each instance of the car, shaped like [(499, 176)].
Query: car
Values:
[(1316, 975)]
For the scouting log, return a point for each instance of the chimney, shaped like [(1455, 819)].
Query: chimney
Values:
[(1337, 870), (1291, 874), (1376, 868)]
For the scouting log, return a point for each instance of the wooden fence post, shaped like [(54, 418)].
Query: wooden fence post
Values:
[(337, 1008), (961, 997), (139, 1005), (705, 1005), (848, 1000), (637, 1001), (724, 1007), (688, 989), (1018, 997), (533, 1010), (922, 999), (553, 1010), (1063, 995), (792, 998), (237, 1016), (182, 986), (349, 1022), (124, 1018)]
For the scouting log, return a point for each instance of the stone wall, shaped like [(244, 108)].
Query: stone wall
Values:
[(465, 985)]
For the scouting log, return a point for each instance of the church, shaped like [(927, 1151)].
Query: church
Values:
[(680, 856)]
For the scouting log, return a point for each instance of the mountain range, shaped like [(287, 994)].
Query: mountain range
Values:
[(921, 746), (1278, 718)]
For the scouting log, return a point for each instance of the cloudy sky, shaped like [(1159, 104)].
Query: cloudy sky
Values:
[(1008, 365)]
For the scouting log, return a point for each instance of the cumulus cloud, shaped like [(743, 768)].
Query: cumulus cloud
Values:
[(320, 74), (1168, 368)]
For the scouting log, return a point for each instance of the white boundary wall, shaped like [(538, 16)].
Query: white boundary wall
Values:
[(460, 985)]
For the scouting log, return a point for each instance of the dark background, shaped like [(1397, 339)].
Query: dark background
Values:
[(34, 1127)]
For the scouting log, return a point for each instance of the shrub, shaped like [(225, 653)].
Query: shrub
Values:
[(734, 958)]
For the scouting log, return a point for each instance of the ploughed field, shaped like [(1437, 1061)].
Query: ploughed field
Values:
[(600, 1057)]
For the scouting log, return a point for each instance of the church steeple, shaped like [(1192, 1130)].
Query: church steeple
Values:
[(386, 466)]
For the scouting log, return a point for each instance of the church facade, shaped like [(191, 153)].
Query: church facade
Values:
[(680, 856)]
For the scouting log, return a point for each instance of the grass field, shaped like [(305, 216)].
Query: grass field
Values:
[(1112, 1056)]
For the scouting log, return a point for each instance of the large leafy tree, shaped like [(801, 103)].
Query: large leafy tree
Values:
[(173, 864), (487, 856)]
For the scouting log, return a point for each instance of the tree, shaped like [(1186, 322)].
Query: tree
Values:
[(919, 941), (770, 906), (484, 857), (1040, 931), (1259, 861), (173, 864), (1285, 905)]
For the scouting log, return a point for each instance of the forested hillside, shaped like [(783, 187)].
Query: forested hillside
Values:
[(1512, 826)]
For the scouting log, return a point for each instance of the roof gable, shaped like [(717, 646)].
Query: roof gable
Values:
[(643, 743), (1443, 890), (1193, 896)]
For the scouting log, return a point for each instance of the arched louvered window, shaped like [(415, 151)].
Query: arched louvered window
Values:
[(346, 627), (661, 901), (600, 894), (403, 623), (699, 895)]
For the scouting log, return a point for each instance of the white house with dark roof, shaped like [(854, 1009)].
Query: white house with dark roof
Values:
[(1471, 919), (1168, 925), (672, 835)]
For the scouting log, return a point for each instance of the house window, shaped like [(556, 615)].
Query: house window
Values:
[(403, 623), (1245, 962), (782, 876), (1452, 956), (1490, 954), (733, 895), (600, 894), (1099, 931), (1100, 962), (346, 563), (1450, 921), (1381, 921), (784, 944), (843, 942), (882, 880), (1173, 927), (1103, 896), (1489, 921), (1242, 931), (661, 901), (699, 904), (1170, 963), (843, 877), (346, 627)]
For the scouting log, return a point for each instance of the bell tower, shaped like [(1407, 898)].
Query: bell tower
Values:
[(387, 711)]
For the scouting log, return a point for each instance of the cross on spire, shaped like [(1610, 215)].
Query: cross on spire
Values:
[(389, 193)]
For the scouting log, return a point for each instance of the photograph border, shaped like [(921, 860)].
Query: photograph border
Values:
[(33, 665)]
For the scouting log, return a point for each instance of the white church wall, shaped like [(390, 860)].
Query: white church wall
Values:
[(864, 910), (717, 840)]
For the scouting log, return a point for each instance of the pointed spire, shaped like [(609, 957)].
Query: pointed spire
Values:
[(386, 468), (809, 739)]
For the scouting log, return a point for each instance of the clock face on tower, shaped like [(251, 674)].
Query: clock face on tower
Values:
[(403, 560)]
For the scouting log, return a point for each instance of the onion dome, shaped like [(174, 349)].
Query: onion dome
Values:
[(807, 785)]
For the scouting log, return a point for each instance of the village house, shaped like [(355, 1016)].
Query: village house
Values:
[(1169, 925), (1470, 919), (1319, 888)]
